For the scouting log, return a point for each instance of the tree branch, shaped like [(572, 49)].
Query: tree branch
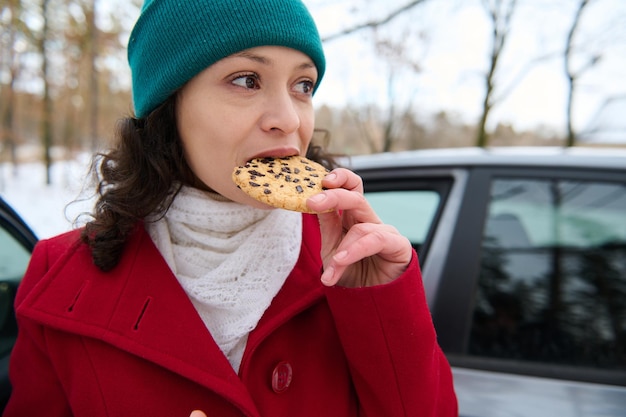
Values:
[(372, 24)]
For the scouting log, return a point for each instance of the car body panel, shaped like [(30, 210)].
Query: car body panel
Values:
[(496, 394)]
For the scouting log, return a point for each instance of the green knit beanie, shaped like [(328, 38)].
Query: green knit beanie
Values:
[(174, 40)]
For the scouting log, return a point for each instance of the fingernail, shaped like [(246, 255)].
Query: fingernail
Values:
[(318, 198), (331, 177), (327, 276), (340, 255)]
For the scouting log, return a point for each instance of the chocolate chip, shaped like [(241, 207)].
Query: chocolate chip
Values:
[(256, 173)]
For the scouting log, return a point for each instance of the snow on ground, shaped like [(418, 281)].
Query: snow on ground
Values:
[(48, 209)]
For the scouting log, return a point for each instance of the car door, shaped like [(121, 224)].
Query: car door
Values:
[(530, 310), (423, 205), (17, 241)]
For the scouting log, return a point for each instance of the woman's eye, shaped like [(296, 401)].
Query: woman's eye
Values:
[(250, 81), (305, 87)]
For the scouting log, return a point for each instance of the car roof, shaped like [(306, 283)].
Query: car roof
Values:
[(576, 157)]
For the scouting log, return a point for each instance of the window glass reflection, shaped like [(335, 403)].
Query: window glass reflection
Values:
[(411, 211), (13, 262), (553, 274)]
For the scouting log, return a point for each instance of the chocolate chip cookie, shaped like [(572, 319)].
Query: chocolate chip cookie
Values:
[(281, 182)]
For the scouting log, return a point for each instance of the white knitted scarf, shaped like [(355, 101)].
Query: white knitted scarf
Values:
[(231, 260)]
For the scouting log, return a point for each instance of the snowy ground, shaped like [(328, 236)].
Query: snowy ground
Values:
[(47, 209)]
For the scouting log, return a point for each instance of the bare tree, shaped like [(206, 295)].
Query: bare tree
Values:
[(365, 120), (398, 55), (92, 31), (52, 72), (9, 53), (397, 121), (571, 74), (500, 13), (46, 120), (383, 129), (373, 24)]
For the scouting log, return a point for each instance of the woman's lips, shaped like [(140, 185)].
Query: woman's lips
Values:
[(275, 153)]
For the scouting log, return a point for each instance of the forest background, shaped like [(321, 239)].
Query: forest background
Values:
[(64, 80)]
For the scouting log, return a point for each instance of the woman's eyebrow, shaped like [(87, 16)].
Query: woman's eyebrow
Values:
[(253, 57), (306, 65), (267, 61)]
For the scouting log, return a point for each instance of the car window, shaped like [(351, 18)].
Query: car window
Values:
[(553, 274), (412, 212), (14, 258)]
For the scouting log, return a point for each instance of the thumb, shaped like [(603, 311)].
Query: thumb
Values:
[(197, 413)]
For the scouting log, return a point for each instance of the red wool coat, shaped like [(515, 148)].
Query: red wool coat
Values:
[(129, 343)]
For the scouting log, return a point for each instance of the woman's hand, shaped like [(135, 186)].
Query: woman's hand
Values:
[(358, 250)]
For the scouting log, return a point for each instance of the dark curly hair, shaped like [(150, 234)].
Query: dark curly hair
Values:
[(135, 179)]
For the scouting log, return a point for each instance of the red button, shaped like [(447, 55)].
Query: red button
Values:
[(281, 377)]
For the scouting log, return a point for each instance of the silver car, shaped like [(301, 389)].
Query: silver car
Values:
[(523, 253)]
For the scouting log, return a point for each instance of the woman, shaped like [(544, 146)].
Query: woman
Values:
[(185, 294)]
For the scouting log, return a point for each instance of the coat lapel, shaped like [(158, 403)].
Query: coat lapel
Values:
[(138, 307)]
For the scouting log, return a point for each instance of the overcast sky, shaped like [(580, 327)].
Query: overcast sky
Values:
[(449, 40)]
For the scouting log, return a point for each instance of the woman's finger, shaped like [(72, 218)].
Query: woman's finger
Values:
[(343, 178), (341, 199), (344, 191), (389, 253)]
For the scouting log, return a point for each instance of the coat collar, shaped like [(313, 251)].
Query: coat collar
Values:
[(139, 307)]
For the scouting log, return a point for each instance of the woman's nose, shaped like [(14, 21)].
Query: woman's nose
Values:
[(281, 113)]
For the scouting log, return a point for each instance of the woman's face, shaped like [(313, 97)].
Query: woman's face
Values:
[(256, 103)]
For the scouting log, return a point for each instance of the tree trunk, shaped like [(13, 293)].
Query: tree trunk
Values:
[(8, 118), (93, 81), (46, 120), (569, 74), (500, 12)]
